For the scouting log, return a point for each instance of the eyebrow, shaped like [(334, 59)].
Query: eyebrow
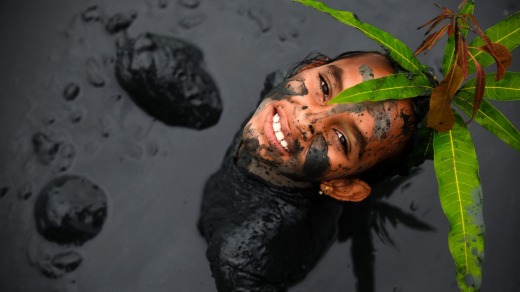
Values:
[(337, 73)]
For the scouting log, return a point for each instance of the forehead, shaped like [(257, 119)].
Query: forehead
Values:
[(356, 69)]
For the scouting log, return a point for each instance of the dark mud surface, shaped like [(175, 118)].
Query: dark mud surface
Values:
[(64, 113)]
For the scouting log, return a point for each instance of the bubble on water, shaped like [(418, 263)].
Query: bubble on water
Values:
[(70, 209), (106, 126), (282, 37), (45, 148), (134, 151), (91, 14), (93, 72), (77, 116), (48, 119), (53, 151), (261, 18), (120, 22), (71, 91), (25, 192), (192, 4), (152, 149), (66, 157), (192, 21), (67, 261), (294, 32)]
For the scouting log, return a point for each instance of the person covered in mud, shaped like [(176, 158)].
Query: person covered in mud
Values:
[(271, 210)]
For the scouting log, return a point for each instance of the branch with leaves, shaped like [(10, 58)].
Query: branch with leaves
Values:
[(455, 161)]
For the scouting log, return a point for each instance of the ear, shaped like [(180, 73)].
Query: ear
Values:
[(346, 189)]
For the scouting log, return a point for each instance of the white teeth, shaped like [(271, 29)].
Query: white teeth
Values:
[(276, 126), (278, 133)]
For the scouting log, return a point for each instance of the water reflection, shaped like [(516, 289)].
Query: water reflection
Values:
[(358, 223)]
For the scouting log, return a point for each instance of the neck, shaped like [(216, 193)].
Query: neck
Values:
[(265, 172)]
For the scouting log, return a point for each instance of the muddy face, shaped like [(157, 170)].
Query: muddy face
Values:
[(298, 135)]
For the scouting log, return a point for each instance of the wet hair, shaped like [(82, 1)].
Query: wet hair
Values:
[(420, 105)]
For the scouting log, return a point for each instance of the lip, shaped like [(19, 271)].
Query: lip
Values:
[(269, 131)]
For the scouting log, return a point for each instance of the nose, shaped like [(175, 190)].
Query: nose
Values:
[(310, 118)]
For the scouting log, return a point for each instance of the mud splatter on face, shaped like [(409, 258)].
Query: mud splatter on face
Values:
[(289, 88), (253, 147), (349, 107), (381, 118), (317, 163), (367, 73)]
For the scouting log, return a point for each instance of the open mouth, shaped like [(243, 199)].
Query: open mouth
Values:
[(277, 128), (275, 135)]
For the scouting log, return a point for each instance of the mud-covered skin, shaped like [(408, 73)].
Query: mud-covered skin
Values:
[(261, 237), (165, 77), (317, 163), (358, 136), (366, 72)]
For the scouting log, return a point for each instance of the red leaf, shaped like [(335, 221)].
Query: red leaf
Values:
[(502, 57), (440, 116), (462, 55), (446, 13), (480, 86), (430, 41)]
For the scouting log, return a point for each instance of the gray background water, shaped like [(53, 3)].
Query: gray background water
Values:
[(153, 174)]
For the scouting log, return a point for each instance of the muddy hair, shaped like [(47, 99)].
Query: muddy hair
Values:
[(420, 105)]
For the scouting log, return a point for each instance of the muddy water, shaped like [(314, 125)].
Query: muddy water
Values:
[(65, 115)]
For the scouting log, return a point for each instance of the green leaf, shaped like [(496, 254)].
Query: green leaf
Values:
[(401, 53), (396, 86), (449, 51), (507, 88), (506, 32), (460, 194), (490, 118)]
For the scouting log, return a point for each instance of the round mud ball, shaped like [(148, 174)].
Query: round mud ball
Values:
[(165, 77), (70, 209)]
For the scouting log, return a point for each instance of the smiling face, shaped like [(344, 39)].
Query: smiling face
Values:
[(297, 135)]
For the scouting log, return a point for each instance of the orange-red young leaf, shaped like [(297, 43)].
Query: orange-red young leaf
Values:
[(462, 55), (440, 116), (438, 20), (480, 86), (430, 41), (502, 57), (446, 13)]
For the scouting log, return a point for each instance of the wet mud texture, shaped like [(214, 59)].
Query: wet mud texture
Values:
[(165, 77), (261, 237), (63, 112), (70, 210)]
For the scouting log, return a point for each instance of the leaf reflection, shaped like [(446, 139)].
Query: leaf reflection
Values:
[(359, 221)]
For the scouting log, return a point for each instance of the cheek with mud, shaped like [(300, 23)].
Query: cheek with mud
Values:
[(264, 153), (289, 88), (317, 162)]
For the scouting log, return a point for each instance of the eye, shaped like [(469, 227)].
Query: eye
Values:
[(324, 88), (343, 140)]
